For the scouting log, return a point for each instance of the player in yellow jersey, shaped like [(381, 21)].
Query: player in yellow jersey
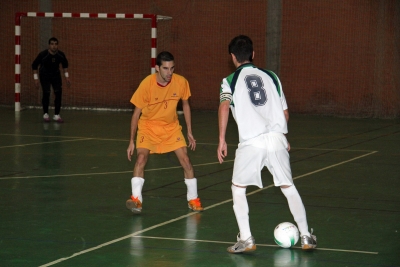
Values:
[(158, 131)]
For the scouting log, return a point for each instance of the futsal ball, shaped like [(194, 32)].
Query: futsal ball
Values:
[(286, 234)]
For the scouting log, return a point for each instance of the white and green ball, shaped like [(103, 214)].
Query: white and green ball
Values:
[(286, 234)]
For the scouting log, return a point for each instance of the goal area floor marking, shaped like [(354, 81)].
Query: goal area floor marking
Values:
[(207, 208)]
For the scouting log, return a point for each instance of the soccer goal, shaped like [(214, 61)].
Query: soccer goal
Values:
[(108, 54)]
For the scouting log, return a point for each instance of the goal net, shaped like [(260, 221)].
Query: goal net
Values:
[(108, 54)]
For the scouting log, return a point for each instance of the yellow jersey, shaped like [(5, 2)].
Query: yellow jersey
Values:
[(158, 103)]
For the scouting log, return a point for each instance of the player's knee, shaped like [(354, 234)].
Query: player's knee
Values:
[(289, 191), (141, 160), (238, 192), (185, 162), (239, 186)]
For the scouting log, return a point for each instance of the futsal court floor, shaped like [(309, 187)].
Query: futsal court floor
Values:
[(63, 189)]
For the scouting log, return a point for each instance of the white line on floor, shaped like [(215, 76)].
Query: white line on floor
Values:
[(189, 214)]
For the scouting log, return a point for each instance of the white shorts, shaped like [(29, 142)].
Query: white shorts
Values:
[(268, 150)]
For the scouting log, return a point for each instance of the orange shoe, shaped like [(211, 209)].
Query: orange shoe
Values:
[(195, 205), (133, 204)]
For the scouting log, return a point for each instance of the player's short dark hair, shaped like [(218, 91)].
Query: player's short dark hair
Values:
[(242, 47), (53, 39), (164, 56)]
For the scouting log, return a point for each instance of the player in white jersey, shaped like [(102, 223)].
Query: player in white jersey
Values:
[(259, 107)]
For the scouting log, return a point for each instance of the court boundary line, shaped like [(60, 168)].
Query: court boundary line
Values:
[(208, 144), (261, 245), (105, 173), (42, 143), (302, 148), (66, 137), (189, 214), (158, 169)]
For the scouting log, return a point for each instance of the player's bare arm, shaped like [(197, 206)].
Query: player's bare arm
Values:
[(223, 116), (134, 125), (286, 112), (188, 119)]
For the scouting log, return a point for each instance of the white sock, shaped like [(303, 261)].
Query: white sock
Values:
[(297, 209), (241, 209), (137, 185), (191, 188)]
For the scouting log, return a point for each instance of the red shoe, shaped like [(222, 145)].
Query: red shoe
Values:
[(195, 205), (133, 204)]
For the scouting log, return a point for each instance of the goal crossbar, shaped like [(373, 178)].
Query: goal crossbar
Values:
[(19, 15)]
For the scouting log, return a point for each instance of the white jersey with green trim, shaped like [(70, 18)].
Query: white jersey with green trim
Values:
[(256, 100)]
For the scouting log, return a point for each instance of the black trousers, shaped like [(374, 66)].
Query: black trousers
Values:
[(47, 81)]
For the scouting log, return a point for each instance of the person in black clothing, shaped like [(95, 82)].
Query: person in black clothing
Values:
[(49, 61)]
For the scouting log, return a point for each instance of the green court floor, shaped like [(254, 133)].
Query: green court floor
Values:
[(63, 189)]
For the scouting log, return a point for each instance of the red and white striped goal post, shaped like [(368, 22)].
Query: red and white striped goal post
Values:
[(20, 15)]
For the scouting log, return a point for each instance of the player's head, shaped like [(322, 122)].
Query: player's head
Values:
[(53, 39), (242, 48), (164, 56), (165, 67), (53, 45)]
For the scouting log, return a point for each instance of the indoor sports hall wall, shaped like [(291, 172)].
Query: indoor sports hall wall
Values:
[(335, 57)]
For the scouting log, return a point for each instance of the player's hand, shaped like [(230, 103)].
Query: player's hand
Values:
[(288, 146), (68, 82), (130, 150), (222, 151), (192, 142)]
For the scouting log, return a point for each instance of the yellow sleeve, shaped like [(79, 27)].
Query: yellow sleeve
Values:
[(185, 89), (141, 97)]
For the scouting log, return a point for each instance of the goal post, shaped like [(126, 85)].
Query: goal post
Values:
[(107, 58)]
